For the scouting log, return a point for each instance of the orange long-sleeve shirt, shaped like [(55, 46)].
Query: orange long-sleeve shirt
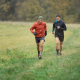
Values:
[(39, 29)]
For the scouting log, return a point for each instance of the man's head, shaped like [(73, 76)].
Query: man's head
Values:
[(58, 17), (40, 18)]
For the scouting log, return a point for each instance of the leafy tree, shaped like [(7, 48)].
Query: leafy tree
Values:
[(29, 10)]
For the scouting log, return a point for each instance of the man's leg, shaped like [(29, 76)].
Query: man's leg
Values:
[(57, 42), (61, 47), (41, 46), (38, 48)]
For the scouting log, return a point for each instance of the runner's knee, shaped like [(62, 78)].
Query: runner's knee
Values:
[(61, 45), (37, 45), (56, 43), (41, 45)]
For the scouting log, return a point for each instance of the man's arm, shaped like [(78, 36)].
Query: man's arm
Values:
[(53, 28), (32, 28), (45, 30), (64, 27)]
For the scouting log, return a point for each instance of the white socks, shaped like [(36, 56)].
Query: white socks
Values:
[(40, 53)]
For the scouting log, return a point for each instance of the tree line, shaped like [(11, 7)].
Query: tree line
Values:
[(29, 10)]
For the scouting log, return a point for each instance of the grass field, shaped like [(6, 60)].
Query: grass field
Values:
[(18, 54)]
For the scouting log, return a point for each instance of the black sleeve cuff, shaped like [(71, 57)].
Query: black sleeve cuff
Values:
[(45, 33)]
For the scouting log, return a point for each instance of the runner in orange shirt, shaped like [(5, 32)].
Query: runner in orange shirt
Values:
[(40, 33)]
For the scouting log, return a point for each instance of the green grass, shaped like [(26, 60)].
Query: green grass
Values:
[(18, 54)]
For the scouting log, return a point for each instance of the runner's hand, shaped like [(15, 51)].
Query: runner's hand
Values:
[(52, 32), (34, 33), (58, 27)]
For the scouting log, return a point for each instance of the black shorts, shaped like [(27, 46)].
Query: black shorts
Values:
[(38, 39), (61, 38)]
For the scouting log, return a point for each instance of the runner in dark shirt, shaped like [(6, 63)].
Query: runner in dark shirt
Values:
[(59, 27)]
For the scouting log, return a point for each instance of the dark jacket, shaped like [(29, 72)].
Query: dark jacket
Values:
[(60, 31)]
